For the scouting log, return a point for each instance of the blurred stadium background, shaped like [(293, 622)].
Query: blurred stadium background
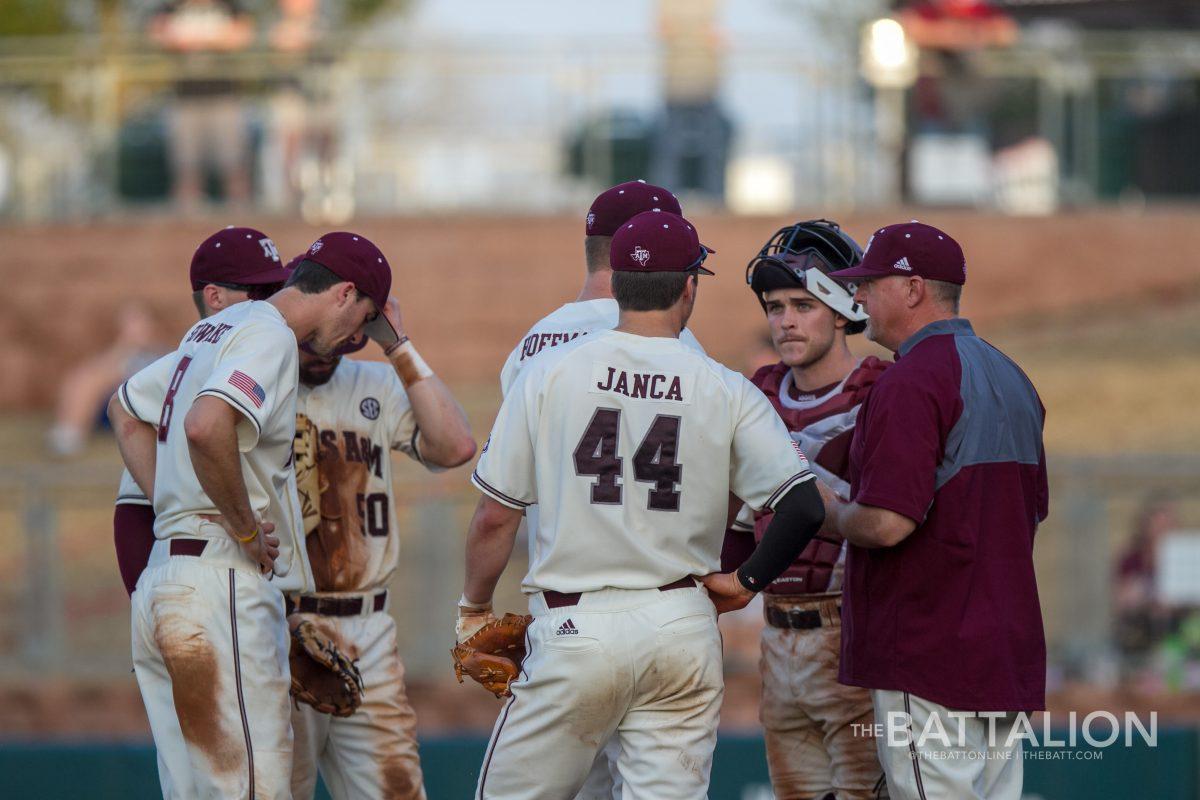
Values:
[(1059, 140)]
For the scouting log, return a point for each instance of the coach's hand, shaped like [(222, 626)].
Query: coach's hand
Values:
[(726, 591)]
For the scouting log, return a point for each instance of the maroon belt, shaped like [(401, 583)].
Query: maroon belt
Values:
[(334, 606), (561, 599), (797, 619), (188, 547)]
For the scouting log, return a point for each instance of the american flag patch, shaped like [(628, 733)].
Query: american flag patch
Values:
[(249, 387)]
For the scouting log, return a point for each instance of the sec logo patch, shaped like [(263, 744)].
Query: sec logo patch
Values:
[(369, 408)]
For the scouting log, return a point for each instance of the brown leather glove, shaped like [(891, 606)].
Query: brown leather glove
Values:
[(321, 675), (492, 655)]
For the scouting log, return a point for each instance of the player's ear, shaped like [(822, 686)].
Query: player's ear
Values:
[(214, 297)]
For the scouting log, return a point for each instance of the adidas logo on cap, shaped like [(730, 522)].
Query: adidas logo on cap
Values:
[(567, 629), (903, 264)]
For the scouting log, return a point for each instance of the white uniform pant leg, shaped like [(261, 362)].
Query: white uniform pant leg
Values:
[(210, 649), (372, 754), (174, 766), (604, 780), (670, 730), (920, 766), (572, 691), (817, 731), (310, 734)]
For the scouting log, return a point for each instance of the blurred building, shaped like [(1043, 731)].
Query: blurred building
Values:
[(755, 105)]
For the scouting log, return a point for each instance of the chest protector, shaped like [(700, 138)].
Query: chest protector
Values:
[(823, 429)]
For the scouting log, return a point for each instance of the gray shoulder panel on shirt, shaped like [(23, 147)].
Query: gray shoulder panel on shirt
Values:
[(1001, 418)]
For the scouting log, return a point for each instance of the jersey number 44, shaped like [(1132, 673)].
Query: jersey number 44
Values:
[(654, 461)]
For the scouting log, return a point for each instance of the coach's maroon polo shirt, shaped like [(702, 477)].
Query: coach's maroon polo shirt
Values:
[(950, 437)]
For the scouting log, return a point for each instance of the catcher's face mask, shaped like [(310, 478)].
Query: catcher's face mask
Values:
[(805, 271)]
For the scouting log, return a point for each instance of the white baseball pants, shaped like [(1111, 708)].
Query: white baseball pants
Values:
[(641, 666), (210, 647)]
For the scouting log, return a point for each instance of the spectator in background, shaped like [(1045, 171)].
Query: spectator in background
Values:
[(1142, 620), (208, 119), (298, 133), (86, 388)]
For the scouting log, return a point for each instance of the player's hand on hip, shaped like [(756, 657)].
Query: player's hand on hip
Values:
[(263, 549), (267, 548), (726, 591)]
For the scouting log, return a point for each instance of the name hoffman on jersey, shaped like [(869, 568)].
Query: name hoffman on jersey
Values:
[(642, 386)]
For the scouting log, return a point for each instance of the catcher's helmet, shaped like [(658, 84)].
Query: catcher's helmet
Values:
[(803, 255)]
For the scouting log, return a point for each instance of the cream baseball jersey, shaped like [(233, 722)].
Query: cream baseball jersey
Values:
[(145, 394), (629, 446), (567, 323), (345, 432), (246, 356)]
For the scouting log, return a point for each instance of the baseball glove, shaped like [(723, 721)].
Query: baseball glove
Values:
[(321, 675), (492, 655)]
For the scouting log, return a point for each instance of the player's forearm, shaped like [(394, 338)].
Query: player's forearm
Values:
[(446, 439), (797, 519), (213, 447), (138, 443), (868, 526), (490, 539)]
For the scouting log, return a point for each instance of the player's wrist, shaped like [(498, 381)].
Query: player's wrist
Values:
[(750, 584), (468, 608), (407, 361), (250, 537), (404, 339)]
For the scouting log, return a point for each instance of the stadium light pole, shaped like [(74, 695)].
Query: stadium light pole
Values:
[(889, 63)]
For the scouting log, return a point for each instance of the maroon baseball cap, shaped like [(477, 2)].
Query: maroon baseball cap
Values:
[(623, 202), (910, 248), (658, 241), (354, 258), (243, 256)]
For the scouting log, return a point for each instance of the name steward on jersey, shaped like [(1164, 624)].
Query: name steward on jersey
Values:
[(208, 333), (641, 385), (536, 342)]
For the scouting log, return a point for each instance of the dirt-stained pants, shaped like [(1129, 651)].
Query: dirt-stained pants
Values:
[(372, 754)]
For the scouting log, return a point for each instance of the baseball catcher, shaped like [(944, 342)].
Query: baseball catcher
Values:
[(815, 748)]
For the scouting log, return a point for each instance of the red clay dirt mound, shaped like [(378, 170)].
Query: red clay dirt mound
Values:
[(470, 287)]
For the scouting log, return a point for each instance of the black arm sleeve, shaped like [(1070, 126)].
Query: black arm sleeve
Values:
[(798, 517)]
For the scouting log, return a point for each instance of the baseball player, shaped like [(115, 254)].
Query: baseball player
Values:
[(231, 266), (816, 745), (350, 414), (630, 443), (208, 433), (594, 310)]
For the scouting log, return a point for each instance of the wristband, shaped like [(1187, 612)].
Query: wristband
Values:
[(249, 538), (408, 362), (464, 603), (396, 345)]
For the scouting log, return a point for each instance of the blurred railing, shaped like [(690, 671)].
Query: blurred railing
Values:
[(66, 612), (430, 124)]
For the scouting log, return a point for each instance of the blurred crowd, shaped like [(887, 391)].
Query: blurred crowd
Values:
[(208, 126)]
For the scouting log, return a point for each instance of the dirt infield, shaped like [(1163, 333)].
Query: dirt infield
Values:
[(470, 287)]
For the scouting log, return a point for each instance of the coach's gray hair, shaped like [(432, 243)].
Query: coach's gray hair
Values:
[(946, 294)]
